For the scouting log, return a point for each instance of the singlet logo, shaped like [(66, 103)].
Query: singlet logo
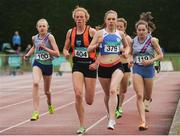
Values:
[(118, 39), (78, 43)]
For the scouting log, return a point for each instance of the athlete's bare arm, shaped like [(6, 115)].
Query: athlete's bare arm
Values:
[(67, 44)]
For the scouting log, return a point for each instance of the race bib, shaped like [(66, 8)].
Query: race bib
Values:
[(111, 49), (81, 52), (43, 56), (139, 59)]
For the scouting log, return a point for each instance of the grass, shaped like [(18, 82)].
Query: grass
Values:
[(175, 58), (26, 66)]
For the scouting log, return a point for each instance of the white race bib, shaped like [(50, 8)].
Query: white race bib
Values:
[(42, 56), (111, 49), (139, 59), (81, 52)]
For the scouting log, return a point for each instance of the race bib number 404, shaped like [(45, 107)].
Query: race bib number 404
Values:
[(81, 52), (111, 49), (43, 56), (139, 59)]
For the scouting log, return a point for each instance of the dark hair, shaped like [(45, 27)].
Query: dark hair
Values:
[(141, 22), (146, 16)]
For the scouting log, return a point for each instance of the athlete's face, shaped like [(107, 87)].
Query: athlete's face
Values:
[(80, 18), (120, 26), (111, 20), (142, 31), (42, 27)]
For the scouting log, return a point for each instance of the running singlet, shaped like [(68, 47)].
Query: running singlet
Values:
[(142, 51), (41, 55), (111, 43), (79, 44)]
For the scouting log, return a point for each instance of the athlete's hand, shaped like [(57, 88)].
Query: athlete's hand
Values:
[(66, 54), (93, 66), (125, 54), (42, 46), (25, 57), (130, 64), (147, 62)]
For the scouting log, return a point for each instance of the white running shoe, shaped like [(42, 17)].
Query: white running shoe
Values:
[(111, 124), (147, 105)]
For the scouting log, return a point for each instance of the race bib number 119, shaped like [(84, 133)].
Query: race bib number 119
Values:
[(139, 59)]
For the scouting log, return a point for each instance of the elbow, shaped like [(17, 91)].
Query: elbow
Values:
[(161, 57)]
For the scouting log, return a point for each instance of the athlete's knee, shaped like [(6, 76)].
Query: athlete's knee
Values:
[(79, 96), (47, 92), (35, 84), (139, 97), (89, 101), (112, 91)]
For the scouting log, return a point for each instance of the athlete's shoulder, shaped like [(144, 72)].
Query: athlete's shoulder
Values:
[(92, 31), (34, 36), (50, 36)]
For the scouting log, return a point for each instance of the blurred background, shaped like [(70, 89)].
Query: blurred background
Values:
[(22, 15)]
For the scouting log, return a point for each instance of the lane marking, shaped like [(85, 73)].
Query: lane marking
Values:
[(43, 114), (104, 117), (68, 104), (128, 100), (42, 96)]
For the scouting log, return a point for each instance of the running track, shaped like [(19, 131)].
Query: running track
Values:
[(16, 108)]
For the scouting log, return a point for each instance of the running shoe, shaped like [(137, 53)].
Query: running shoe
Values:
[(143, 127), (81, 130), (111, 124), (119, 112), (147, 105), (35, 116), (51, 109)]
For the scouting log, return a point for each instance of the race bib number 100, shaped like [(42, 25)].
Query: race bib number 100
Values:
[(42, 56), (139, 59), (81, 52)]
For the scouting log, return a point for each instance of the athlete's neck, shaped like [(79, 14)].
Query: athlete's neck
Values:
[(142, 39), (81, 29), (110, 30), (42, 35)]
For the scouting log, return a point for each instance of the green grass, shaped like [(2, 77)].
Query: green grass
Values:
[(25, 66), (175, 58)]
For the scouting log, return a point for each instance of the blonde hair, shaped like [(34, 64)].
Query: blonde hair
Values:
[(123, 20), (110, 12), (81, 9), (42, 20)]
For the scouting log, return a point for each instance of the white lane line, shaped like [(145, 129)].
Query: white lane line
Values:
[(42, 96), (128, 100), (43, 114), (104, 117), (28, 120), (65, 105)]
